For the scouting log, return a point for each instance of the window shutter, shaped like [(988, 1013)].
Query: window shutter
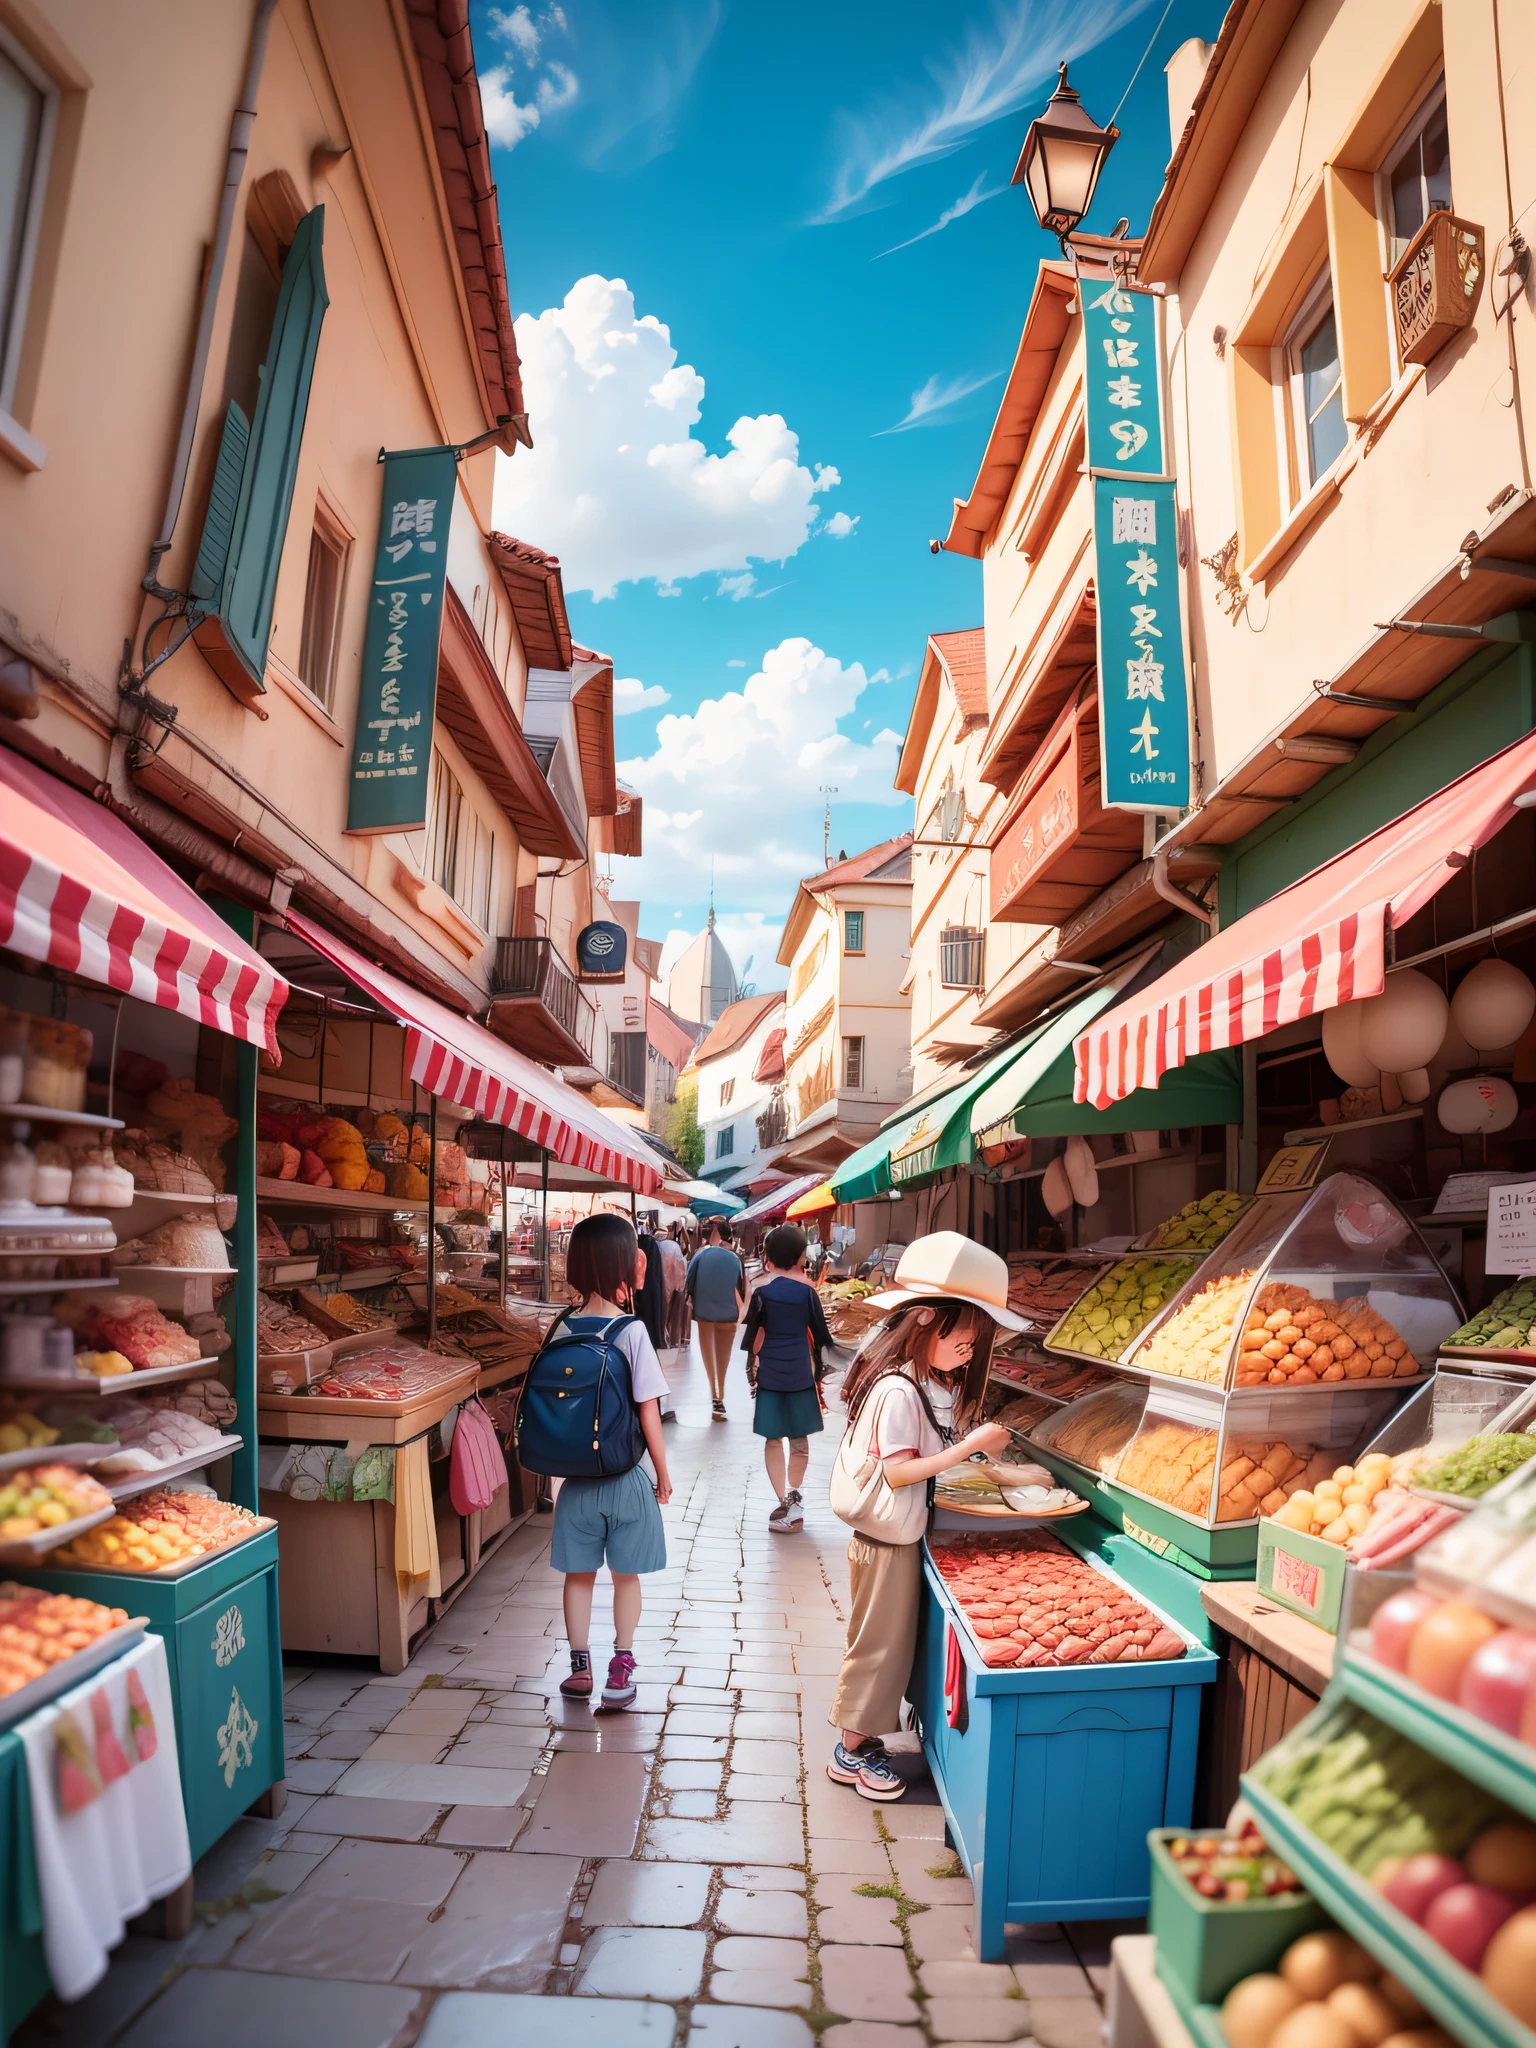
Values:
[(235, 640), (219, 524)]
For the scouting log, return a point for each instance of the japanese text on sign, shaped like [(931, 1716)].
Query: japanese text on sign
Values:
[(1144, 723), (397, 700), (1511, 1229), (1123, 374)]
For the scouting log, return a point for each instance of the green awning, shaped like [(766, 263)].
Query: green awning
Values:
[(866, 1173), (1207, 1089)]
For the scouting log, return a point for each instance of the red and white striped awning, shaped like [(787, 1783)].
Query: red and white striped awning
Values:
[(80, 890), (1317, 944), (453, 1056)]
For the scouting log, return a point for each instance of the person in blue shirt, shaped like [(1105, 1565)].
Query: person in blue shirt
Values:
[(717, 1288), (785, 1334)]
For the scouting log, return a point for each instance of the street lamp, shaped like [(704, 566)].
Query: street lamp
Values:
[(1063, 155)]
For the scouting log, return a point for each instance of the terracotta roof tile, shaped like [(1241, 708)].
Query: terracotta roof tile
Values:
[(736, 1022), (532, 582), (964, 656), (860, 866)]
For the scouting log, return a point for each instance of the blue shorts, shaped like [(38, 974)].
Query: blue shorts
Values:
[(612, 1520)]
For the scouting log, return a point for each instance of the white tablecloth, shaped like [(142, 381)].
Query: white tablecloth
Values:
[(100, 1866)]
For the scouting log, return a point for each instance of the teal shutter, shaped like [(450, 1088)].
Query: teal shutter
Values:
[(236, 640), (219, 524)]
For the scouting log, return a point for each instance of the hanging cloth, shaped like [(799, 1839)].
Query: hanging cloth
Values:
[(416, 1560)]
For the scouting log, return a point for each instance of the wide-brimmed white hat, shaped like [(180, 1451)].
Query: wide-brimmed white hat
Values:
[(948, 1267)]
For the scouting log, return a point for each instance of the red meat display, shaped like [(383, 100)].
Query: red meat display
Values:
[(1029, 1600)]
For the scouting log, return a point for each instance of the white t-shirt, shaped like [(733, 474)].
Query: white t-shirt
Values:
[(646, 1379), (890, 1422)]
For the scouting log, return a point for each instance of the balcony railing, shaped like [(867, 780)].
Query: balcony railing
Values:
[(531, 969)]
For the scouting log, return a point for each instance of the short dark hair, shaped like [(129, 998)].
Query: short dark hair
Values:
[(717, 1230), (784, 1246), (600, 1258)]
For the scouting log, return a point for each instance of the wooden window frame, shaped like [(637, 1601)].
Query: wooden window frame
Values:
[(727, 1090), (329, 535), (1432, 102), (1318, 305), (13, 335), (854, 1063), (852, 918), (725, 1142)]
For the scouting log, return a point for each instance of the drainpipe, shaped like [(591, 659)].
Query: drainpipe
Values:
[(1179, 898), (234, 172)]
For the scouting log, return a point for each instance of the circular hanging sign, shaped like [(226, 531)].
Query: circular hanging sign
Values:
[(601, 951)]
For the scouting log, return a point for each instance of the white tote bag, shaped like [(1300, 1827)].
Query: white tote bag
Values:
[(860, 1493)]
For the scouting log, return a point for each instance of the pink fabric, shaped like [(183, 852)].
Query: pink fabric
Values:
[(80, 890), (1320, 943), (477, 1471), (452, 1055)]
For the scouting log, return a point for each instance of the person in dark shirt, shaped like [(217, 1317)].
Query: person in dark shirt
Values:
[(784, 1338)]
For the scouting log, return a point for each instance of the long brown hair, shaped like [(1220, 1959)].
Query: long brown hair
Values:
[(905, 1345)]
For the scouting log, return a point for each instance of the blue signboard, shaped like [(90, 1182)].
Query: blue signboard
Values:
[(601, 951), (397, 699), (1124, 379), (1144, 721)]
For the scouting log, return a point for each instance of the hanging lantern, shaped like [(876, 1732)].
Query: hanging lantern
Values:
[(1403, 1026), (1063, 155), (1341, 1047), (1493, 1004), (1082, 1174), (1482, 1103), (1056, 1190), (1414, 1084)]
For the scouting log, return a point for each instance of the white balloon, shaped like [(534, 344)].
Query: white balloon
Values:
[(1056, 1190), (1483, 1102), (1414, 1084), (1455, 1054), (1493, 1004), (1341, 1047), (1403, 1026)]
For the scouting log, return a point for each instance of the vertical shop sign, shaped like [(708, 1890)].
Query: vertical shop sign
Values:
[(392, 742), (1144, 712)]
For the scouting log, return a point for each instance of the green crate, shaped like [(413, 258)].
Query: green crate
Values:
[(1302, 1572), (1205, 1946)]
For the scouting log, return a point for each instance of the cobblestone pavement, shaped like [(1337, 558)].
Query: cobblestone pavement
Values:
[(464, 1854)]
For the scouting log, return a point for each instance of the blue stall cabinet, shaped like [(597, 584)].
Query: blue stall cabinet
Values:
[(1053, 1779)]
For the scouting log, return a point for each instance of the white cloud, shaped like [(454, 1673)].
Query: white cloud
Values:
[(615, 483), (733, 663), (548, 85), (642, 63), (966, 203), (839, 526), (736, 587), (992, 74), (939, 395), (738, 781), (630, 694)]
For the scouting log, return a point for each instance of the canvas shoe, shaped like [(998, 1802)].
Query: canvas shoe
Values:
[(717, 1410), (877, 1779), (845, 1764), (620, 1688), (579, 1685), (789, 1514)]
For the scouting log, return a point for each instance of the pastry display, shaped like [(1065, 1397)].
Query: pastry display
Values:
[(189, 1241), (130, 1324), (150, 1436), (393, 1372), (1196, 1339), (159, 1529), (39, 1630), (342, 1307), (1093, 1430), (1290, 1337), (1176, 1462), (26, 1432), (1044, 1288), (1120, 1305), (1056, 1377), (45, 1497), (280, 1329)]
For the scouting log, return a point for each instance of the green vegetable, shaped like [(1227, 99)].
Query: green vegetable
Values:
[(1120, 1304), (1475, 1466), (1506, 1324)]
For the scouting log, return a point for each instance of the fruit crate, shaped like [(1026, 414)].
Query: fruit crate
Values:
[(1302, 1572), (1204, 1946), (1056, 1777)]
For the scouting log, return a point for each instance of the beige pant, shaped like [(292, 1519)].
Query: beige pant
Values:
[(885, 1581), (715, 1342)]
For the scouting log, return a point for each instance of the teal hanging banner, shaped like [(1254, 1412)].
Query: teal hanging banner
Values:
[(1122, 341), (1144, 721), (392, 741)]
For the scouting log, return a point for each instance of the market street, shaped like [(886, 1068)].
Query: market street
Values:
[(457, 1836)]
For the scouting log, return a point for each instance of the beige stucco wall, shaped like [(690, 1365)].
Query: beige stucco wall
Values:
[(868, 997)]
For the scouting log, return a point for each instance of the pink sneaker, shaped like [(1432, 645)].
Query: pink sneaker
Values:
[(579, 1685), (620, 1689)]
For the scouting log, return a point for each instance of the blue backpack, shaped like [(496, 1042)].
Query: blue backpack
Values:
[(577, 1418)]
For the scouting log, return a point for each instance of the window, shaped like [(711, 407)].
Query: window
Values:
[(1417, 174), (322, 607), (727, 1090), (951, 812), (853, 1063), (28, 111), (478, 900), (1316, 385), (461, 848), (962, 953), (853, 931), (807, 969), (725, 1142)]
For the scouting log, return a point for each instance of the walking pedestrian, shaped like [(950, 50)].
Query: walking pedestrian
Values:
[(783, 1336), (924, 1370), (616, 1520), (674, 1273), (651, 1294), (717, 1289)]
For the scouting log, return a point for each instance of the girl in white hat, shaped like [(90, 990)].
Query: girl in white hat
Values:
[(926, 1366)]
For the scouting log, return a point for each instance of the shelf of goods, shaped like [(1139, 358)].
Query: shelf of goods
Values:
[(1245, 1370), (1050, 1771)]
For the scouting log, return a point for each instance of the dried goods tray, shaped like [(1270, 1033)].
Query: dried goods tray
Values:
[(34, 1112), (1500, 1763), (294, 1194), (1458, 2000), (57, 1454), (1497, 1352), (179, 1468), (149, 1207), (981, 1512), (259, 1527), (27, 1549), (58, 1678), (324, 1418), (115, 1383)]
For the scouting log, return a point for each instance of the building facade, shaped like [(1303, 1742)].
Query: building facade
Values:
[(736, 1067)]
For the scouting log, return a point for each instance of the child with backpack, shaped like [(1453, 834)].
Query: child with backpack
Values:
[(784, 1336), (591, 1410)]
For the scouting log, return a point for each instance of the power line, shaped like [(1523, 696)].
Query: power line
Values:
[(1146, 53)]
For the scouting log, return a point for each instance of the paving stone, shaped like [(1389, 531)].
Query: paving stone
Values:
[(912, 1817), (1066, 2022), (489, 2019), (746, 2026), (398, 1873), (750, 1833), (641, 1962), (743, 1785), (764, 1877), (482, 1827), (504, 1917), (1064, 1979), (387, 1820), (863, 1858), (347, 1743), (590, 1806), (866, 1983), (390, 1748), (914, 1858), (856, 1919), (313, 1774), (700, 1720), (694, 1748), (648, 1895), (242, 2010), (503, 1749), (702, 1696), (942, 1934), (445, 1719), (781, 1913), (767, 1727), (310, 1936), (872, 2034), (968, 1980), (690, 1777), (690, 1805), (980, 2019), (766, 1759), (448, 1784)]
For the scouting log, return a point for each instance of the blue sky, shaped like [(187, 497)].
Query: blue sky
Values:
[(749, 173)]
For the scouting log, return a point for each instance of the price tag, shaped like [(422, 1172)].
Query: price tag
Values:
[(1293, 1168), (1512, 1228)]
